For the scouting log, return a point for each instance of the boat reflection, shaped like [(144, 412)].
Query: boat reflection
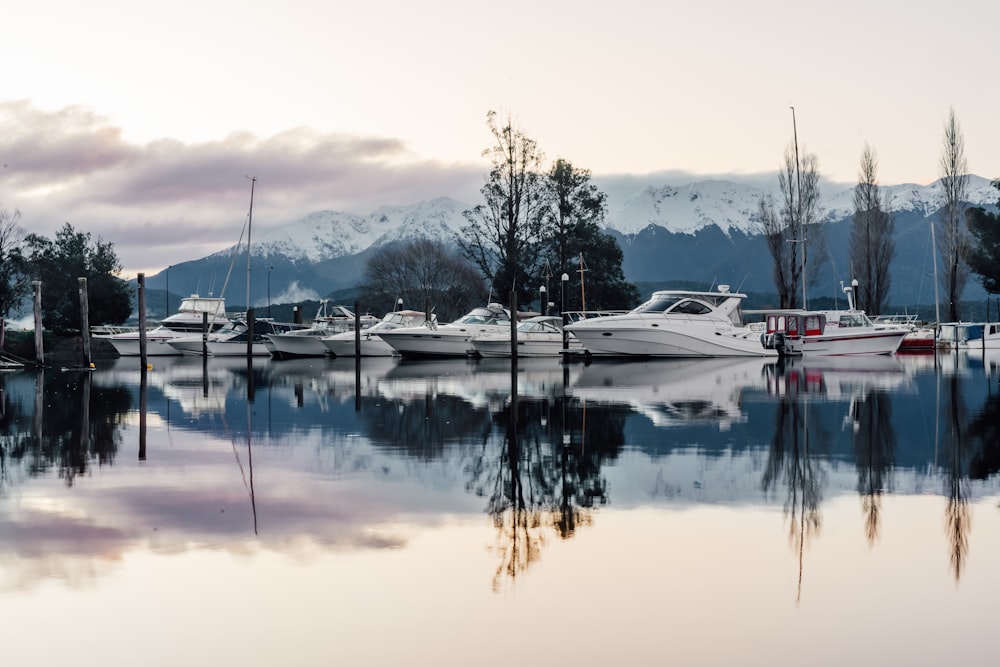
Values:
[(347, 450), (673, 392)]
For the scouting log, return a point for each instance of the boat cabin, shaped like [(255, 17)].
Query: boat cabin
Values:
[(784, 331)]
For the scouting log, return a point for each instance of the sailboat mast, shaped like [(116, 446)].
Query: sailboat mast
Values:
[(583, 295), (798, 207), (937, 307), (253, 182)]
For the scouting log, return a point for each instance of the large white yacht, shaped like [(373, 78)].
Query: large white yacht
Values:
[(187, 321), (675, 323), (449, 340)]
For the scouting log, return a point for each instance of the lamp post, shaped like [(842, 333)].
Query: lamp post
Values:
[(269, 269), (399, 303), (564, 280), (542, 302)]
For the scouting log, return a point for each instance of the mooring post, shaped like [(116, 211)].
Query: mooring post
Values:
[(85, 321), (141, 280), (36, 285)]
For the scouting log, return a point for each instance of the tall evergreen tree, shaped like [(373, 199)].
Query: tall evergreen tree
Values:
[(60, 263), (573, 231), (984, 251)]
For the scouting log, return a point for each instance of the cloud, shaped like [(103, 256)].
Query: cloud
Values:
[(167, 201)]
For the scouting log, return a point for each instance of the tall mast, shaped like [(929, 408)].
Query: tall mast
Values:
[(253, 181), (937, 307), (798, 208)]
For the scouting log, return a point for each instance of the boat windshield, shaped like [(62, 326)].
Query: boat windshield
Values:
[(484, 316), (658, 304), (674, 304), (546, 326)]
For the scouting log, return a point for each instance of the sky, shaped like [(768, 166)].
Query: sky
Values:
[(141, 124)]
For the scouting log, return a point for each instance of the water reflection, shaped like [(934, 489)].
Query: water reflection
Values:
[(319, 449)]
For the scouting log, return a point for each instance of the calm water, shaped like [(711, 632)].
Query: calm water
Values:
[(717, 512)]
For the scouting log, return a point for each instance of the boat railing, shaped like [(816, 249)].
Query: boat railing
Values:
[(579, 315)]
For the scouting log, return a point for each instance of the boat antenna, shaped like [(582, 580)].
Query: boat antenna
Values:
[(742, 282)]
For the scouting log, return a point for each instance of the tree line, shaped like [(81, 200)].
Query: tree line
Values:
[(58, 264), (967, 238), (534, 225)]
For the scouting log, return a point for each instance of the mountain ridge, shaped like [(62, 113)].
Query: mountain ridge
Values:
[(666, 232)]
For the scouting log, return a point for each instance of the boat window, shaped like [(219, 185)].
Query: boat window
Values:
[(793, 325), (781, 323), (657, 305), (689, 307), (812, 325)]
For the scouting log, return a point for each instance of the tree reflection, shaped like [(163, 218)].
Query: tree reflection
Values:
[(74, 425), (793, 459), (958, 519), (543, 477), (874, 451)]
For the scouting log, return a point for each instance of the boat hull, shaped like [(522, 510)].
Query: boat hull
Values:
[(292, 345), (664, 339), (371, 346), (873, 342), (128, 346), (425, 342)]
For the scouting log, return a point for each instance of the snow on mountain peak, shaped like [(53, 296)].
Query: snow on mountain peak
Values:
[(681, 209)]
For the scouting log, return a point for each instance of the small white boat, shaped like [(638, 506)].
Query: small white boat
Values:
[(800, 332), (449, 340), (232, 339), (969, 335), (831, 332), (307, 342), (674, 323), (536, 337), (343, 344), (187, 321)]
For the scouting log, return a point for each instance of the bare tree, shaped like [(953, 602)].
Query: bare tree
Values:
[(872, 246), (503, 233), (15, 283), (952, 235), (423, 272), (795, 239)]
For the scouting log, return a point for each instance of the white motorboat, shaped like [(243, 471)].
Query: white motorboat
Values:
[(307, 342), (536, 337), (187, 321), (674, 323), (800, 332), (343, 344), (831, 332), (974, 336), (449, 340), (231, 340)]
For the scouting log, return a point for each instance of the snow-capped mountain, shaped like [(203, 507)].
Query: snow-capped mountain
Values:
[(683, 209), (324, 235), (705, 231)]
